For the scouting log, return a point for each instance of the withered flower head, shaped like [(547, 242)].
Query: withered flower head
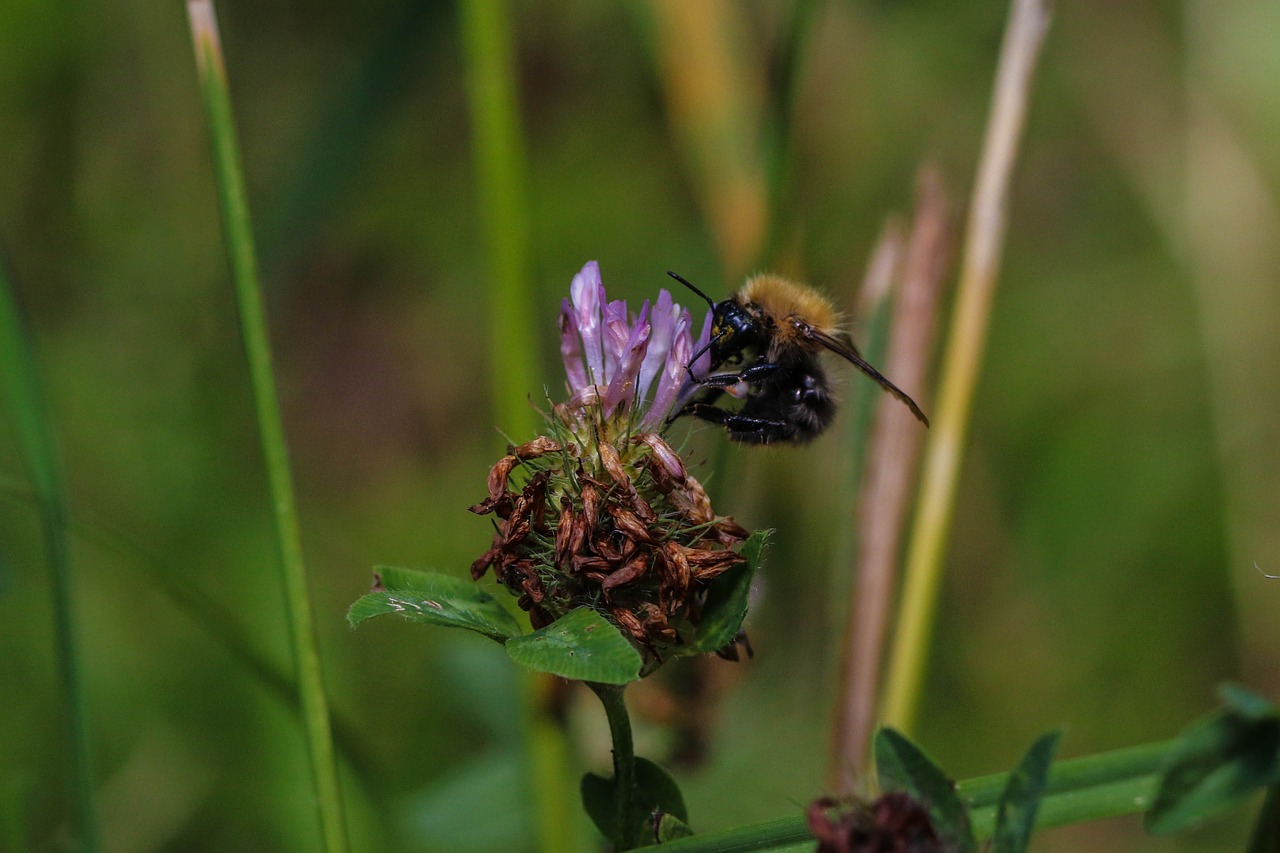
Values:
[(893, 823), (601, 511)]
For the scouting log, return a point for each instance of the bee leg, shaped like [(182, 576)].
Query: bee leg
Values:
[(754, 373), (735, 422)]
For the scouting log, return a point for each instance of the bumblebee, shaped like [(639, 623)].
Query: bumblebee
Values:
[(765, 345)]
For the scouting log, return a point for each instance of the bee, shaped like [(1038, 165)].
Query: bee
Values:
[(765, 345)]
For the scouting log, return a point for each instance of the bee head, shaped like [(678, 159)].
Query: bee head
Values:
[(733, 328)]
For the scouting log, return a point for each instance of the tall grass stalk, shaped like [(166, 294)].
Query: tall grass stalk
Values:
[(1024, 34), (501, 175), (24, 398), (238, 235)]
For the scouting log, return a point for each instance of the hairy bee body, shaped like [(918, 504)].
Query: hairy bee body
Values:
[(764, 349)]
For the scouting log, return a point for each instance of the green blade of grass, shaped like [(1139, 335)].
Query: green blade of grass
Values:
[(24, 399), (238, 236)]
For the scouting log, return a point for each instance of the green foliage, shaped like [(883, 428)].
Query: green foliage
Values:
[(582, 645), (727, 599), (434, 599), (1016, 814), (1218, 762), (903, 766), (656, 793)]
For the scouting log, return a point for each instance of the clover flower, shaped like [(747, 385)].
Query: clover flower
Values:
[(601, 511)]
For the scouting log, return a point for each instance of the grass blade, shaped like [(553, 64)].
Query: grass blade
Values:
[(244, 272), (24, 399)]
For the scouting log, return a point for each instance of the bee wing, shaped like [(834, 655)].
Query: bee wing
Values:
[(842, 345)]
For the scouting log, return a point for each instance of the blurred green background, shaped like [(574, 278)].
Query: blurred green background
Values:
[(1123, 474)]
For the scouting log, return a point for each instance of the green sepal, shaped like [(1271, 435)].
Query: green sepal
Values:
[(1218, 762), (656, 794), (1016, 813), (903, 766), (727, 599), (581, 645), (434, 599), (670, 828)]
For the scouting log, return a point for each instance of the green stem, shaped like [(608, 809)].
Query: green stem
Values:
[(238, 235), (500, 176), (626, 821), (25, 400), (1095, 787)]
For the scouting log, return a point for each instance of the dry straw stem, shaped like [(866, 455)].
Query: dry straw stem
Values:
[(892, 452), (1024, 35)]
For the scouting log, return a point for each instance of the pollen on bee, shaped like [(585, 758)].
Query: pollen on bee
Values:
[(780, 298)]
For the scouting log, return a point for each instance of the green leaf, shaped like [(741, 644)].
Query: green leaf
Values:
[(1016, 814), (656, 793), (903, 766), (435, 599), (582, 645), (727, 598), (1218, 762)]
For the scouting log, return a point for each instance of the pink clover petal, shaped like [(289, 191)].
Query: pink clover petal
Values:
[(703, 365), (571, 348), (622, 389), (673, 376), (617, 331), (663, 323), (700, 368), (587, 293)]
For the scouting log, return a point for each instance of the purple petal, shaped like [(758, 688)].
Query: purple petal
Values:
[(587, 293), (663, 324), (617, 332), (674, 375), (571, 348), (622, 386), (701, 367)]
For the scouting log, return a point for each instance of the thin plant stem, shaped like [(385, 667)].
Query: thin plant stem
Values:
[(24, 398), (980, 263), (501, 178), (238, 235), (624, 764), (893, 450), (500, 174)]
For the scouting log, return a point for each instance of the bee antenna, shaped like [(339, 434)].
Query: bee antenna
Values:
[(691, 287)]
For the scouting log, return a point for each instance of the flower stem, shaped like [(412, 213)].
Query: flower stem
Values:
[(624, 764), (238, 234)]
